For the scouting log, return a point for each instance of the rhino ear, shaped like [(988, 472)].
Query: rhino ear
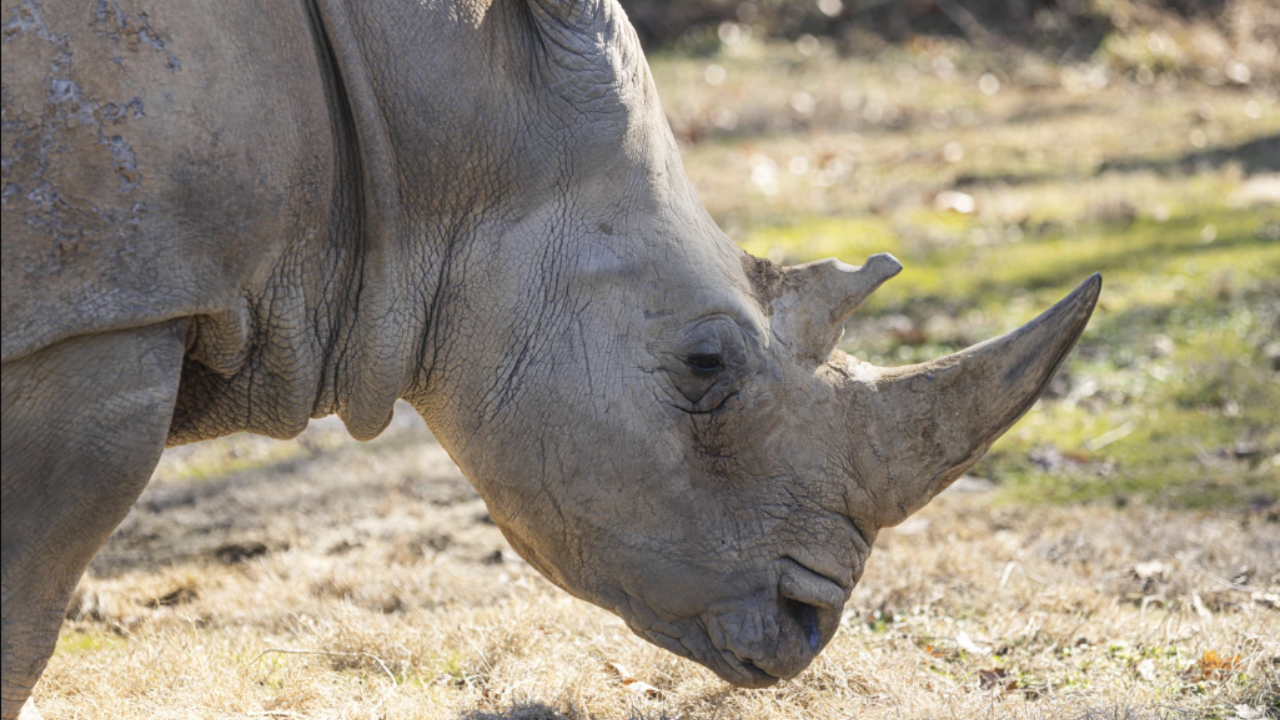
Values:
[(816, 298), (575, 14), (590, 40)]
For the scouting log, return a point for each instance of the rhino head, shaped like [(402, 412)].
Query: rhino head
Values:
[(659, 422)]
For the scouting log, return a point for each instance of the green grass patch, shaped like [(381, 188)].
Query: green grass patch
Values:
[(1172, 396), (78, 642)]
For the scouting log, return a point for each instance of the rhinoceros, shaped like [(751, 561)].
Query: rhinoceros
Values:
[(226, 217)]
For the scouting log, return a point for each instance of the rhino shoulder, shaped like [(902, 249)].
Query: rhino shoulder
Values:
[(157, 163)]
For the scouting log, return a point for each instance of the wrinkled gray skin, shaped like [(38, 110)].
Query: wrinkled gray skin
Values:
[(220, 218)]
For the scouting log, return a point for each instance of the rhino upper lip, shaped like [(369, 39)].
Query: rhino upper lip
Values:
[(803, 584)]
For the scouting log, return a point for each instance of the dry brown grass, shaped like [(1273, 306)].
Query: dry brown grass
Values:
[(381, 555)]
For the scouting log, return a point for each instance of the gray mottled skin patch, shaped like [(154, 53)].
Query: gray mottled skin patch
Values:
[(477, 207), (112, 21)]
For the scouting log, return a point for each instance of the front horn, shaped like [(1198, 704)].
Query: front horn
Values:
[(918, 428)]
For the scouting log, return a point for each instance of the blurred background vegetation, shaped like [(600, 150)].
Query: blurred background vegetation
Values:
[(1004, 150)]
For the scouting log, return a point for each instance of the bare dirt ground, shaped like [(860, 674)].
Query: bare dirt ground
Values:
[(323, 578)]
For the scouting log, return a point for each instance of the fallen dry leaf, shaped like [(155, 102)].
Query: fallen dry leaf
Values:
[(1198, 603), (955, 201), (1212, 666), (969, 646), (644, 688), (935, 652), (618, 670), (630, 682), (1153, 569), (997, 679), (1247, 712), (1147, 670)]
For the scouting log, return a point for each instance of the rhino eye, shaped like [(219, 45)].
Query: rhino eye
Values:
[(705, 362)]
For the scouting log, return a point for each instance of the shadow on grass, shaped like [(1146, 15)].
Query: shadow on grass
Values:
[(1122, 257), (1036, 113), (966, 180), (1133, 324), (260, 510), (766, 122), (1260, 155), (1116, 251), (542, 711), (1255, 156)]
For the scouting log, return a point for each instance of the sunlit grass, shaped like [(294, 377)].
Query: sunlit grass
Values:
[(380, 625), (1174, 365), (89, 641), (1173, 395)]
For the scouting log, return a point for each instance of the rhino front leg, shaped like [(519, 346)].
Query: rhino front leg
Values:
[(84, 422)]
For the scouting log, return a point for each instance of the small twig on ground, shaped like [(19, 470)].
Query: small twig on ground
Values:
[(290, 651), (1224, 582), (1014, 565)]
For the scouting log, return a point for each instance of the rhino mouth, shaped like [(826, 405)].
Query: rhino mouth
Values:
[(700, 640), (771, 636), (802, 631), (746, 673), (799, 632), (758, 638)]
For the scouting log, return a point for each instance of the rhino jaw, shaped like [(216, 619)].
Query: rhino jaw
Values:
[(915, 429)]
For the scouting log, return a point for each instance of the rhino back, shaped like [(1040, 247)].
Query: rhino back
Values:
[(160, 161)]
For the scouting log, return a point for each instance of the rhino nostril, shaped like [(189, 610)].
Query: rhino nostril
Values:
[(810, 617), (807, 617)]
